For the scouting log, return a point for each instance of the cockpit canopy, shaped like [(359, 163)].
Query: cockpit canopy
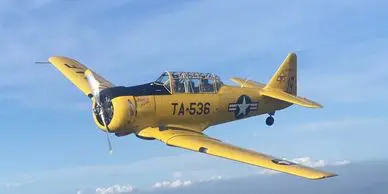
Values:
[(189, 82)]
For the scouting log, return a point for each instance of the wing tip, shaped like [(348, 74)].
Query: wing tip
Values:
[(316, 105), (312, 104), (54, 59)]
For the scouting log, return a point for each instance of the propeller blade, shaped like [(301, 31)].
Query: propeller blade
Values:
[(102, 115), (94, 86), (109, 143)]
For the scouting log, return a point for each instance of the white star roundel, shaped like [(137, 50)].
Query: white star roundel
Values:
[(243, 106)]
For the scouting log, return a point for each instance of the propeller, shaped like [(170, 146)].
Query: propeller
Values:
[(94, 86)]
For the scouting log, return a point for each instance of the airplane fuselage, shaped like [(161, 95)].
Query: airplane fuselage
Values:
[(152, 107)]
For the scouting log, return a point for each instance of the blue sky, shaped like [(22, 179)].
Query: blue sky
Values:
[(48, 136)]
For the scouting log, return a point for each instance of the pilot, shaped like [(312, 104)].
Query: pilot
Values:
[(179, 86), (206, 86)]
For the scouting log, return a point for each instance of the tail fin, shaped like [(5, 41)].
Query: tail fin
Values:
[(285, 77), (283, 84)]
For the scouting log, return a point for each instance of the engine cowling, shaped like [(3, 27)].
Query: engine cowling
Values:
[(120, 113)]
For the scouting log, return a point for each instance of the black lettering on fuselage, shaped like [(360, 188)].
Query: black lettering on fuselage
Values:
[(181, 110), (192, 108), (174, 105)]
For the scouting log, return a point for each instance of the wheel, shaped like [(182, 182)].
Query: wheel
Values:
[(269, 121)]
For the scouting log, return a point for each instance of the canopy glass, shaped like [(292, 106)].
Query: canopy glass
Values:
[(190, 82)]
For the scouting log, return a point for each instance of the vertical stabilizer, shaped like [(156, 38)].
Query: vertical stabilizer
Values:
[(285, 77)]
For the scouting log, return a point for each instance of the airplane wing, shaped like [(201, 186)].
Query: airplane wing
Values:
[(284, 96), (199, 142), (74, 71), (247, 83)]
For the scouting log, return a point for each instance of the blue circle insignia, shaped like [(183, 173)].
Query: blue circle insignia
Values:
[(242, 107)]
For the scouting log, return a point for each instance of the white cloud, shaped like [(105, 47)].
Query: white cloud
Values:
[(341, 163), (183, 183), (172, 184), (268, 172), (310, 162), (212, 178), (307, 161), (218, 177), (115, 189), (79, 192)]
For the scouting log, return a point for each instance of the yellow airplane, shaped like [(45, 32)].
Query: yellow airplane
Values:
[(179, 106)]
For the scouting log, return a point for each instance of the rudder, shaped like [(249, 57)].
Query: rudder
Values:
[(285, 78)]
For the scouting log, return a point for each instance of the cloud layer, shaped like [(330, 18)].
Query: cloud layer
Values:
[(307, 161), (115, 189), (179, 183), (172, 184)]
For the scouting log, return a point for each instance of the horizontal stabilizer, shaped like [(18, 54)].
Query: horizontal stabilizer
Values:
[(284, 96), (246, 83)]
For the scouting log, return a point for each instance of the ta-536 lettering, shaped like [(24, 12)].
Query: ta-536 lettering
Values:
[(194, 108)]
